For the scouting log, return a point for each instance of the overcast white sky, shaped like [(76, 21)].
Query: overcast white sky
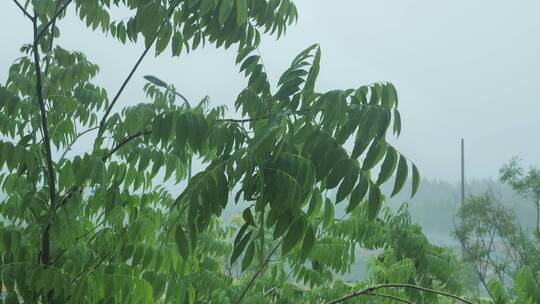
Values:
[(462, 69)]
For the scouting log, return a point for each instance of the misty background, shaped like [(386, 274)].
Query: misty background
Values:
[(462, 69)]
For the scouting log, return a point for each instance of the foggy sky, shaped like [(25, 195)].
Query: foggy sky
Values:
[(462, 69)]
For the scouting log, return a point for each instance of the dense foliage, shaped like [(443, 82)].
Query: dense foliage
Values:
[(99, 227)]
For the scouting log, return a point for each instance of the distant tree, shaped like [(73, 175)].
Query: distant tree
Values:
[(502, 255), (525, 183), (128, 240)]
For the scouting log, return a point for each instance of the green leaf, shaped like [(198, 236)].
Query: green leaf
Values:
[(241, 11), (388, 166), (358, 193), (374, 155), (401, 175), (313, 72), (182, 242), (315, 203), (294, 235), (328, 218), (239, 247), (163, 38), (347, 184), (177, 44), (248, 217), (309, 241), (498, 291), (206, 6), (415, 180), (248, 256), (341, 169), (374, 201), (225, 11)]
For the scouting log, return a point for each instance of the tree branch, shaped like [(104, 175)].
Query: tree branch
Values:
[(397, 299), (51, 22), (126, 81), (68, 148), (370, 290), (47, 143), (25, 12), (259, 271), (124, 142)]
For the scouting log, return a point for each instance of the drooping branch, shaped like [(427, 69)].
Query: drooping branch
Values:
[(256, 274), (103, 121), (370, 290), (25, 12), (47, 143)]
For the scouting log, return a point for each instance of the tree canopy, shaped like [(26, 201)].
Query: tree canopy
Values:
[(100, 227)]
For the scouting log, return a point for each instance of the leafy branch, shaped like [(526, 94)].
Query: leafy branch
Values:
[(103, 121), (257, 274), (370, 290), (51, 22), (46, 142)]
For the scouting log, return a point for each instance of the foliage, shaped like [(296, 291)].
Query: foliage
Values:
[(503, 256), (97, 227), (526, 184)]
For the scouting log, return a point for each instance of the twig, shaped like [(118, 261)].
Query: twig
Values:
[(124, 84), (124, 142), (68, 148), (53, 20), (370, 290), (261, 269), (25, 12)]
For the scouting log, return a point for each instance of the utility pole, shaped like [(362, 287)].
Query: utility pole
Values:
[(462, 172), (462, 183)]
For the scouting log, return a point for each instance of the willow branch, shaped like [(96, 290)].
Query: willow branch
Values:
[(259, 272), (128, 78), (370, 290), (25, 12)]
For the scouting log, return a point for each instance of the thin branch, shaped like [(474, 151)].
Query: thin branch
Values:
[(370, 290), (63, 156), (126, 81), (397, 299), (47, 144), (51, 22), (259, 271), (25, 12), (124, 142)]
